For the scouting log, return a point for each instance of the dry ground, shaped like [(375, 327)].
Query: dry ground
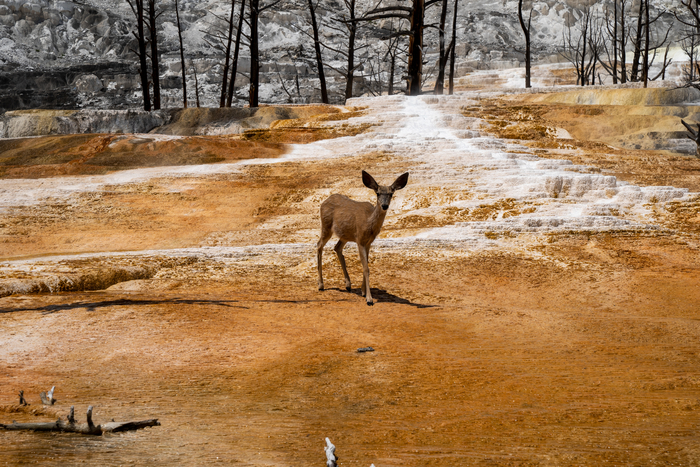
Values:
[(583, 351)]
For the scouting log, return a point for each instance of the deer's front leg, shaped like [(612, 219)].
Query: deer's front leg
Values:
[(364, 253)]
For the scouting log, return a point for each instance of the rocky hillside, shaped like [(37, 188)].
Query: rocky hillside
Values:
[(63, 54)]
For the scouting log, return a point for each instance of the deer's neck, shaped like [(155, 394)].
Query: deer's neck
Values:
[(376, 220)]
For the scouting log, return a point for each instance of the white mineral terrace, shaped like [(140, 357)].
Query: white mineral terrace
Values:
[(443, 150)]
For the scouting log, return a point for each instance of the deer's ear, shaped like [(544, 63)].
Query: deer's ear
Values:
[(400, 182), (369, 181)]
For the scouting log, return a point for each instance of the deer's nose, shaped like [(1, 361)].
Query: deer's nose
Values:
[(385, 206)]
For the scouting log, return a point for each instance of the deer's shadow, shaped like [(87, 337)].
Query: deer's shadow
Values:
[(380, 296), (95, 305)]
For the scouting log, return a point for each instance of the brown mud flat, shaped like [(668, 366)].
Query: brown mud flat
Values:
[(89, 154), (583, 350), (486, 360)]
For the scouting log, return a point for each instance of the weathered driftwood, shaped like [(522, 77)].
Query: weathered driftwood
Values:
[(47, 397), (69, 425), (330, 454), (694, 135), (22, 400)]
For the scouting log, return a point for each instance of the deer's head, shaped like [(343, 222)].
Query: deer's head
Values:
[(384, 193)]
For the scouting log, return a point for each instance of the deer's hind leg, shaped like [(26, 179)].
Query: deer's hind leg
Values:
[(325, 236), (339, 251)]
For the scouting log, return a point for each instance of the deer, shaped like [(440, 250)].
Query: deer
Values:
[(355, 221)]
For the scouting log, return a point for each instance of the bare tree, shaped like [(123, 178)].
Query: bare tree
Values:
[(196, 84), (317, 48), (615, 43), (227, 57), (345, 24), (526, 33), (576, 47), (234, 63), (392, 54), (155, 67), (140, 34), (691, 42), (219, 36), (415, 16), (451, 85), (256, 9), (182, 57), (444, 51)]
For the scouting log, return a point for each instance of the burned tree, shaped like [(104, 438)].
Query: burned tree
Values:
[(614, 45), (70, 425), (393, 55), (414, 15), (444, 51), (694, 134), (577, 47), (155, 67), (317, 48), (451, 85), (691, 41), (219, 36), (526, 33), (346, 24), (227, 57), (182, 57), (137, 8), (234, 63), (256, 9)]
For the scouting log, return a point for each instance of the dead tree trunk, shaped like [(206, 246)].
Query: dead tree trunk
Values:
[(182, 58), (137, 9), (234, 64), (442, 63), (694, 135), (70, 426), (253, 93), (415, 49), (155, 67), (526, 33), (614, 44), (645, 65), (451, 85), (623, 44), (634, 73), (352, 31), (227, 58), (319, 57), (196, 84)]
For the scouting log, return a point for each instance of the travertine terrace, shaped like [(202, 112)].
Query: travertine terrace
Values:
[(537, 296)]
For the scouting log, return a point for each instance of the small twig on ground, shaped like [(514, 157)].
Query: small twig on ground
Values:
[(47, 397), (330, 454)]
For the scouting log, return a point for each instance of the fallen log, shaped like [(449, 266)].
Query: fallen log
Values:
[(694, 135), (70, 426)]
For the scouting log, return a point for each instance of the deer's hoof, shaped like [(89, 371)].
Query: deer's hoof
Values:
[(320, 287), (347, 287), (370, 303)]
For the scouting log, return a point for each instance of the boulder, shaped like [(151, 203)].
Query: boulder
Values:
[(88, 84)]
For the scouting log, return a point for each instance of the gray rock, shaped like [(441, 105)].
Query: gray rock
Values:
[(88, 84)]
